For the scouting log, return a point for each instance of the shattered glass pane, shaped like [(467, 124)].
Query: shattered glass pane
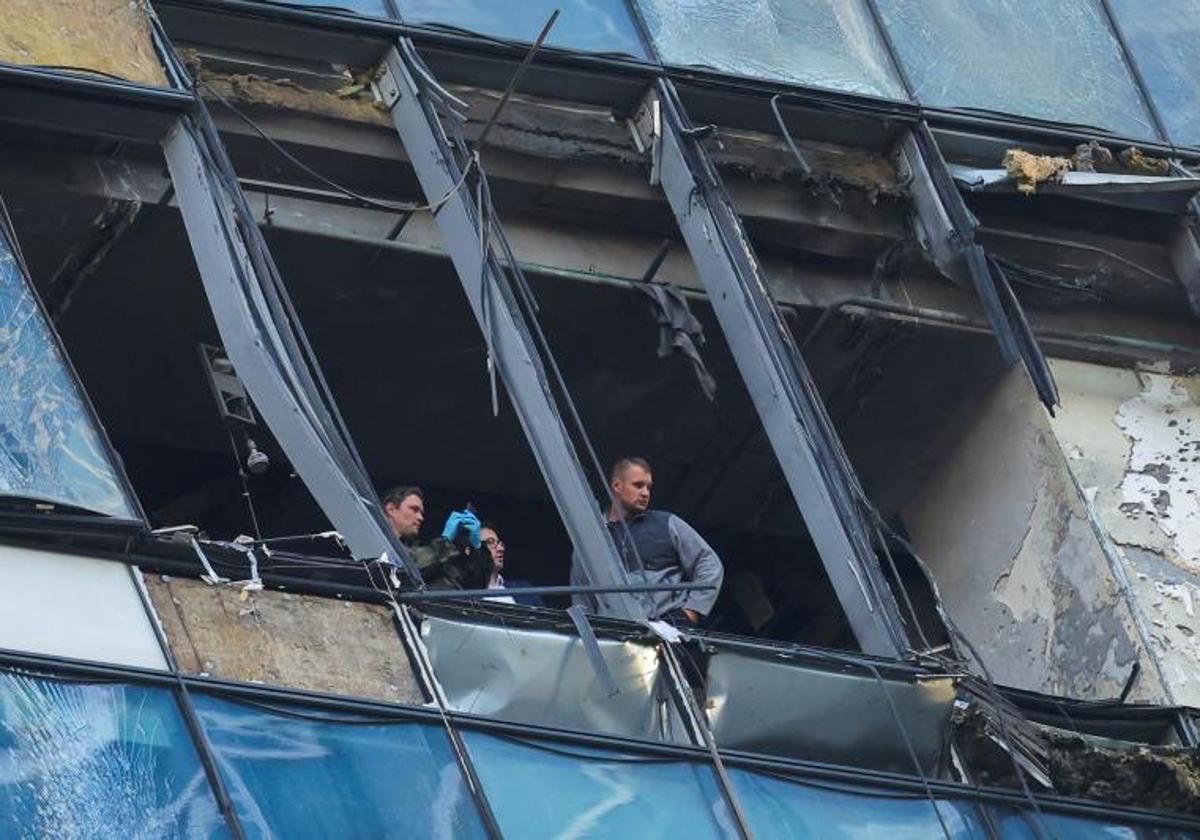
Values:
[(304, 772), (1057, 61), (602, 26), (824, 43), (538, 789), (777, 807), (375, 8), (98, 760), (1165, 41), (49, 448)]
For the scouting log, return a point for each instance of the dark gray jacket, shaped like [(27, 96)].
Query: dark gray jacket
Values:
[(671, 551)]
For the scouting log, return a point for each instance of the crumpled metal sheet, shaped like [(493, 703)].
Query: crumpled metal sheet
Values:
[(543, 677), (1145, 192), (835, 714)]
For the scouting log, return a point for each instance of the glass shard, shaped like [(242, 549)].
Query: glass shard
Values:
[(49, 446), (98, 760)]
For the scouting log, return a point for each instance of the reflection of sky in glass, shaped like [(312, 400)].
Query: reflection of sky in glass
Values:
[(1165, 42), (780, 808), (1048, 59), (552, 790), (291, 777), (591, 25), (79, 760), (824, 43), (49, 448)]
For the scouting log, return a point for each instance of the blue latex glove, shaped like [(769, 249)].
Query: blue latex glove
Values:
[(462, 519)]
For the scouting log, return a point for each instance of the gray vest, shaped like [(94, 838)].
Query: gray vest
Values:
[(651, 534)]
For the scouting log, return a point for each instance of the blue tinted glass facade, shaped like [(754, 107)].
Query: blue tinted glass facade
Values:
[(98, 760), (1055, 60), (294, 773), (600, 26), (540, 789), (823, 43), (777, 807), (49, 446), (1166, 47)]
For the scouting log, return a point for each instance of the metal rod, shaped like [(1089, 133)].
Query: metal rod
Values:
[(512, 83), (449, 594), (920, 313)]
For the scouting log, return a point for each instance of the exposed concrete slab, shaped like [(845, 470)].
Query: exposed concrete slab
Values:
[(1132, 440), (1007, 536), (278, 638)]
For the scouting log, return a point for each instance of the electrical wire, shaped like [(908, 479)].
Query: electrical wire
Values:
[(390, 206)]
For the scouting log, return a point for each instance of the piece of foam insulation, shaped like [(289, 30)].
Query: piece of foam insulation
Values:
[(110, 37)]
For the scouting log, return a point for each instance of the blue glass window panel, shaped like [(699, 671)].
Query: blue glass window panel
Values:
[(823, 43), (49, 446), (294, 773), (1013, 824), (600, 26), (1165, 42), (553, 790), (98, 760), (778, 807), (375, 8), (1055, 60)]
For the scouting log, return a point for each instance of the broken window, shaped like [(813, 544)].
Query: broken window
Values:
[(822, 43), (80, 760), (602, 26), (1165, 43), (1055, 61), (77, 607), (588, 791), (50, 447), (302, 771)]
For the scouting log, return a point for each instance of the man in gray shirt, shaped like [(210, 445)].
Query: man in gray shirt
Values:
[(669, 550)]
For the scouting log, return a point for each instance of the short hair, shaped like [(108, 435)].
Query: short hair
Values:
[(399, 493), (622, 466)]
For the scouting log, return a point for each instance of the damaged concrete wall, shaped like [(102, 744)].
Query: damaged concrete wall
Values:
[(1007, 537), (278, 638), (107, 36), (1132, 440)]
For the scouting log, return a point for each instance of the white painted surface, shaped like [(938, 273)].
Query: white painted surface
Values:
[(1132, 440), (79, 607)]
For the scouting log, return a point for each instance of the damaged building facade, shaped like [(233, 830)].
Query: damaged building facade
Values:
[(898, 297)]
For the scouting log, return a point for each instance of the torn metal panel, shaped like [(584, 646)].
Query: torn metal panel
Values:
[(283, 639), (264, 343), (78, 607), (1132, 440), (1140, 192), (946, 229), (1026, 579), (545, 678), (479, 250), (801, 433), (109, 37), (838, 714)]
